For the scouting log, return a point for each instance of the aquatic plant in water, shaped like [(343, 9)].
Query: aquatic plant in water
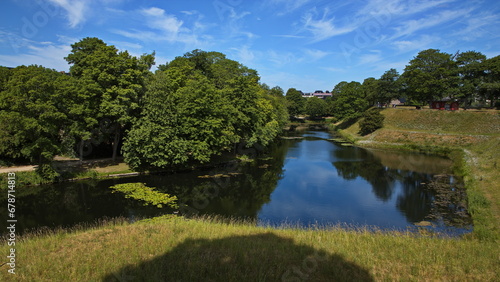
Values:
[(139, 191)]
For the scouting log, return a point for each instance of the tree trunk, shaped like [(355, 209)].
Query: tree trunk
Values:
[(115, 143), (80, 150)]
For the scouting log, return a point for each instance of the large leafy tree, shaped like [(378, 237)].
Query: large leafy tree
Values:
[(471, 73), (5, 73), (388, 86), (431, 75), (31, 115), (370, 89), (348, 100), (114, 78), (316, 107), (295, 101), (490, 88), (197, 106)]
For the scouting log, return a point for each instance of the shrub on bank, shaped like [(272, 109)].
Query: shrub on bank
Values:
[(372, 120)]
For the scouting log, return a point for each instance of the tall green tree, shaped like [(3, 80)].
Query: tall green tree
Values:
[(315, 107), (277, 91), (471, 73), (349, 100), (370, 89), (295, 101), (117, 80), (5, 73), (430, 75), (388, 86), (31, 115), (490, 88)]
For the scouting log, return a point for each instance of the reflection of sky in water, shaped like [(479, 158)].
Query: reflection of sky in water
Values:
[(312, 190)]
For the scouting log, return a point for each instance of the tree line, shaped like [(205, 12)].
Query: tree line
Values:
[(468, 77), (189, 110)]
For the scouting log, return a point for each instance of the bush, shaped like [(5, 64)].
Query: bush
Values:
[(47, 172), (372, 120)]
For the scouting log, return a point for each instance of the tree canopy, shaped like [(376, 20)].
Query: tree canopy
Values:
[(192, 114), (193, 108)]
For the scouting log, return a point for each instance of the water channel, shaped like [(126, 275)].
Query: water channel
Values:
[(308, 181)]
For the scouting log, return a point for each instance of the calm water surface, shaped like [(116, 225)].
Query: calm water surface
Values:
[(307, 182)]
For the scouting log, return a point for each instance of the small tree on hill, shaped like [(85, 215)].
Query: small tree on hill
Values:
[(372, 120)]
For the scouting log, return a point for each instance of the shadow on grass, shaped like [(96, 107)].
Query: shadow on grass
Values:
[(347, 123), (263, 257)]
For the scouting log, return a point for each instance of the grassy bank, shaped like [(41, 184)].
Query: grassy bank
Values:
[(470, 138), (177, 249)]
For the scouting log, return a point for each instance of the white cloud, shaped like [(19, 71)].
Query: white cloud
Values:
[(169, 24), (162, 26), (245, 56), (289, 6), (400, 7), (333, 69), (421, 43), (373, 57), (288, 80), (409, 27), (315, 54), (47, 54), (323, 28), (479, 26), (282, 58), (75, 10)]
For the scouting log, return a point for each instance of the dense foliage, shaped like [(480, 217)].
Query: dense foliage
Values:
[(468, 78), (371, 121), (191, 109), (191, 114)]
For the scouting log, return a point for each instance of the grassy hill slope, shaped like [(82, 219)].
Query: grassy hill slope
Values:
[(471, 138)]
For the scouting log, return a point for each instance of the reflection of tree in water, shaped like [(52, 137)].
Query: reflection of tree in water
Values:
[(440, 199), (414, 202), (361, 163), (67, 204), (241, 192)]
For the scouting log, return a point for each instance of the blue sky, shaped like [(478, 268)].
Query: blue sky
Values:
[(306, 44)]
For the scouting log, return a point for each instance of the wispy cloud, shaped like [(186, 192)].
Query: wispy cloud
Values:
[(288, 6), (315, 55), (75, 9), (373, 57), (282, 58), (323, 27), (398, 8), (479, 26), (47, 54), (422, 42), (409, 27), (245, 55), (162, 26)]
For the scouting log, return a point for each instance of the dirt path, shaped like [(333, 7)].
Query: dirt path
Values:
[(17, 168)]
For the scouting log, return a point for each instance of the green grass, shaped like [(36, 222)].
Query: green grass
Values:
[(179, 249), (23, 178)]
